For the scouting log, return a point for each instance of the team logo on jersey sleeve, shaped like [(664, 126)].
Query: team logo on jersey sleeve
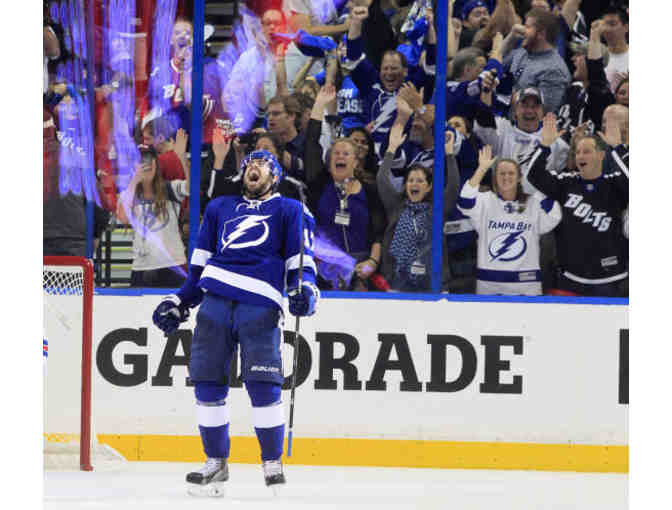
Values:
[(245, 231), (507, 247)]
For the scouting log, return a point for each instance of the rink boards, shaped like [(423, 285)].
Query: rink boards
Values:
[(391, 382)]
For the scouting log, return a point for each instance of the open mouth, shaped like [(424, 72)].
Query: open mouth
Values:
[(389, 81), (340, 165)]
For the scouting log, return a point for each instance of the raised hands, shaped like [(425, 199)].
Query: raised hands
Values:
[(429, 16), (449, 146), (221, 144), (597, 28), (497, 46), (404, 110), (326, 95), (485, 161), (549, 130), (456, 24), (485, 158), (612, 134), (411, 96), (396, 138), (518, 31), (359, 14), (180, 146), (489, 81)]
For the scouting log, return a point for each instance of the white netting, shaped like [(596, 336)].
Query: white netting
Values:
[(63, 294), (63, 280)]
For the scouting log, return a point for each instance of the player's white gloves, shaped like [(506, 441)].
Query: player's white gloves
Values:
[(169, 314), (302, 303)]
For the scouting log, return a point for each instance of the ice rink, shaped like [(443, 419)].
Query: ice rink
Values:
[(143, 485)]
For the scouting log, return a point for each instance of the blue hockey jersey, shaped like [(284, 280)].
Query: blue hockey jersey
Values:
[(248, 250)]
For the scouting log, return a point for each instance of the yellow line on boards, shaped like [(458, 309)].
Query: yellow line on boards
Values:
[(388, 453)]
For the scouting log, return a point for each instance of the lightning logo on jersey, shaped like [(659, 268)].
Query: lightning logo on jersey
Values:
[(251, 227), (507, 247)]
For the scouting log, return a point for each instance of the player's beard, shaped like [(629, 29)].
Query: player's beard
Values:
[(263, 189)]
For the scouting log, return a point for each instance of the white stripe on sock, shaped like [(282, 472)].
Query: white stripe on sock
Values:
[(212, 416), (269, 416)]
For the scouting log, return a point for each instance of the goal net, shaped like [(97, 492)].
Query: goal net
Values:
[(68, 436)]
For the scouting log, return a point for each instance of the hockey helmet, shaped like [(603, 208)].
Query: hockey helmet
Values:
[(276, 167)]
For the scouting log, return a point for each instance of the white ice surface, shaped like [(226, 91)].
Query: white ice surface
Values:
[(142, 485)]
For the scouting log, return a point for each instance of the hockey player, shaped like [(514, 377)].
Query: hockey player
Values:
[(248, 247), (592, 251), (509, 223)]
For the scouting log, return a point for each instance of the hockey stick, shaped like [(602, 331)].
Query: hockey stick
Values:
[(296, 332)]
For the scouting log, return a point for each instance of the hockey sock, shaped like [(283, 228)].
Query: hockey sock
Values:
[(268, 417), (212, 414)]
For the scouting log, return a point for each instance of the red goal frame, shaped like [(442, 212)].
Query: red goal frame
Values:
[(87, 347)]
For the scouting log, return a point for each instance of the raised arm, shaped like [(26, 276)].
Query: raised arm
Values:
[(220, 177), (302, 21), (516, 34), (485, 161), (50, 44), (594, 44), (357, 17), (569, 11), (361, 70), (180, 149), (503, 18), (281, 71), (303, 72), (470, 202), (454, 33), (313, 150), (545, 181), (125, 203), (414, 99), (452, 185), (386, 190)]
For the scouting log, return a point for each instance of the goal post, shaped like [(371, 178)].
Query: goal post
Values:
[(73, 277)]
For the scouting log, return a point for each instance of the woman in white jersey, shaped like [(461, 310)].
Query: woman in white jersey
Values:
[(509, 223), (151, 206)]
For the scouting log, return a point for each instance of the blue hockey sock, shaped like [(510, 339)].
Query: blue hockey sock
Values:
[(268, 417), (212, 414)]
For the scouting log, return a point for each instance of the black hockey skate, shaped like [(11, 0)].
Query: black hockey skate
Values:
[(209, 480), (273, 475)]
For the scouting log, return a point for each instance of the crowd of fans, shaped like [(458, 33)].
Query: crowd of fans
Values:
[(344, 93)]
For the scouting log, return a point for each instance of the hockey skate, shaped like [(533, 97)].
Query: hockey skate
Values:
[(273, 475), (209, 480)]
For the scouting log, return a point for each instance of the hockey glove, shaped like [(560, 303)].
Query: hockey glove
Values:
[(170, 314), (302, 302)]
